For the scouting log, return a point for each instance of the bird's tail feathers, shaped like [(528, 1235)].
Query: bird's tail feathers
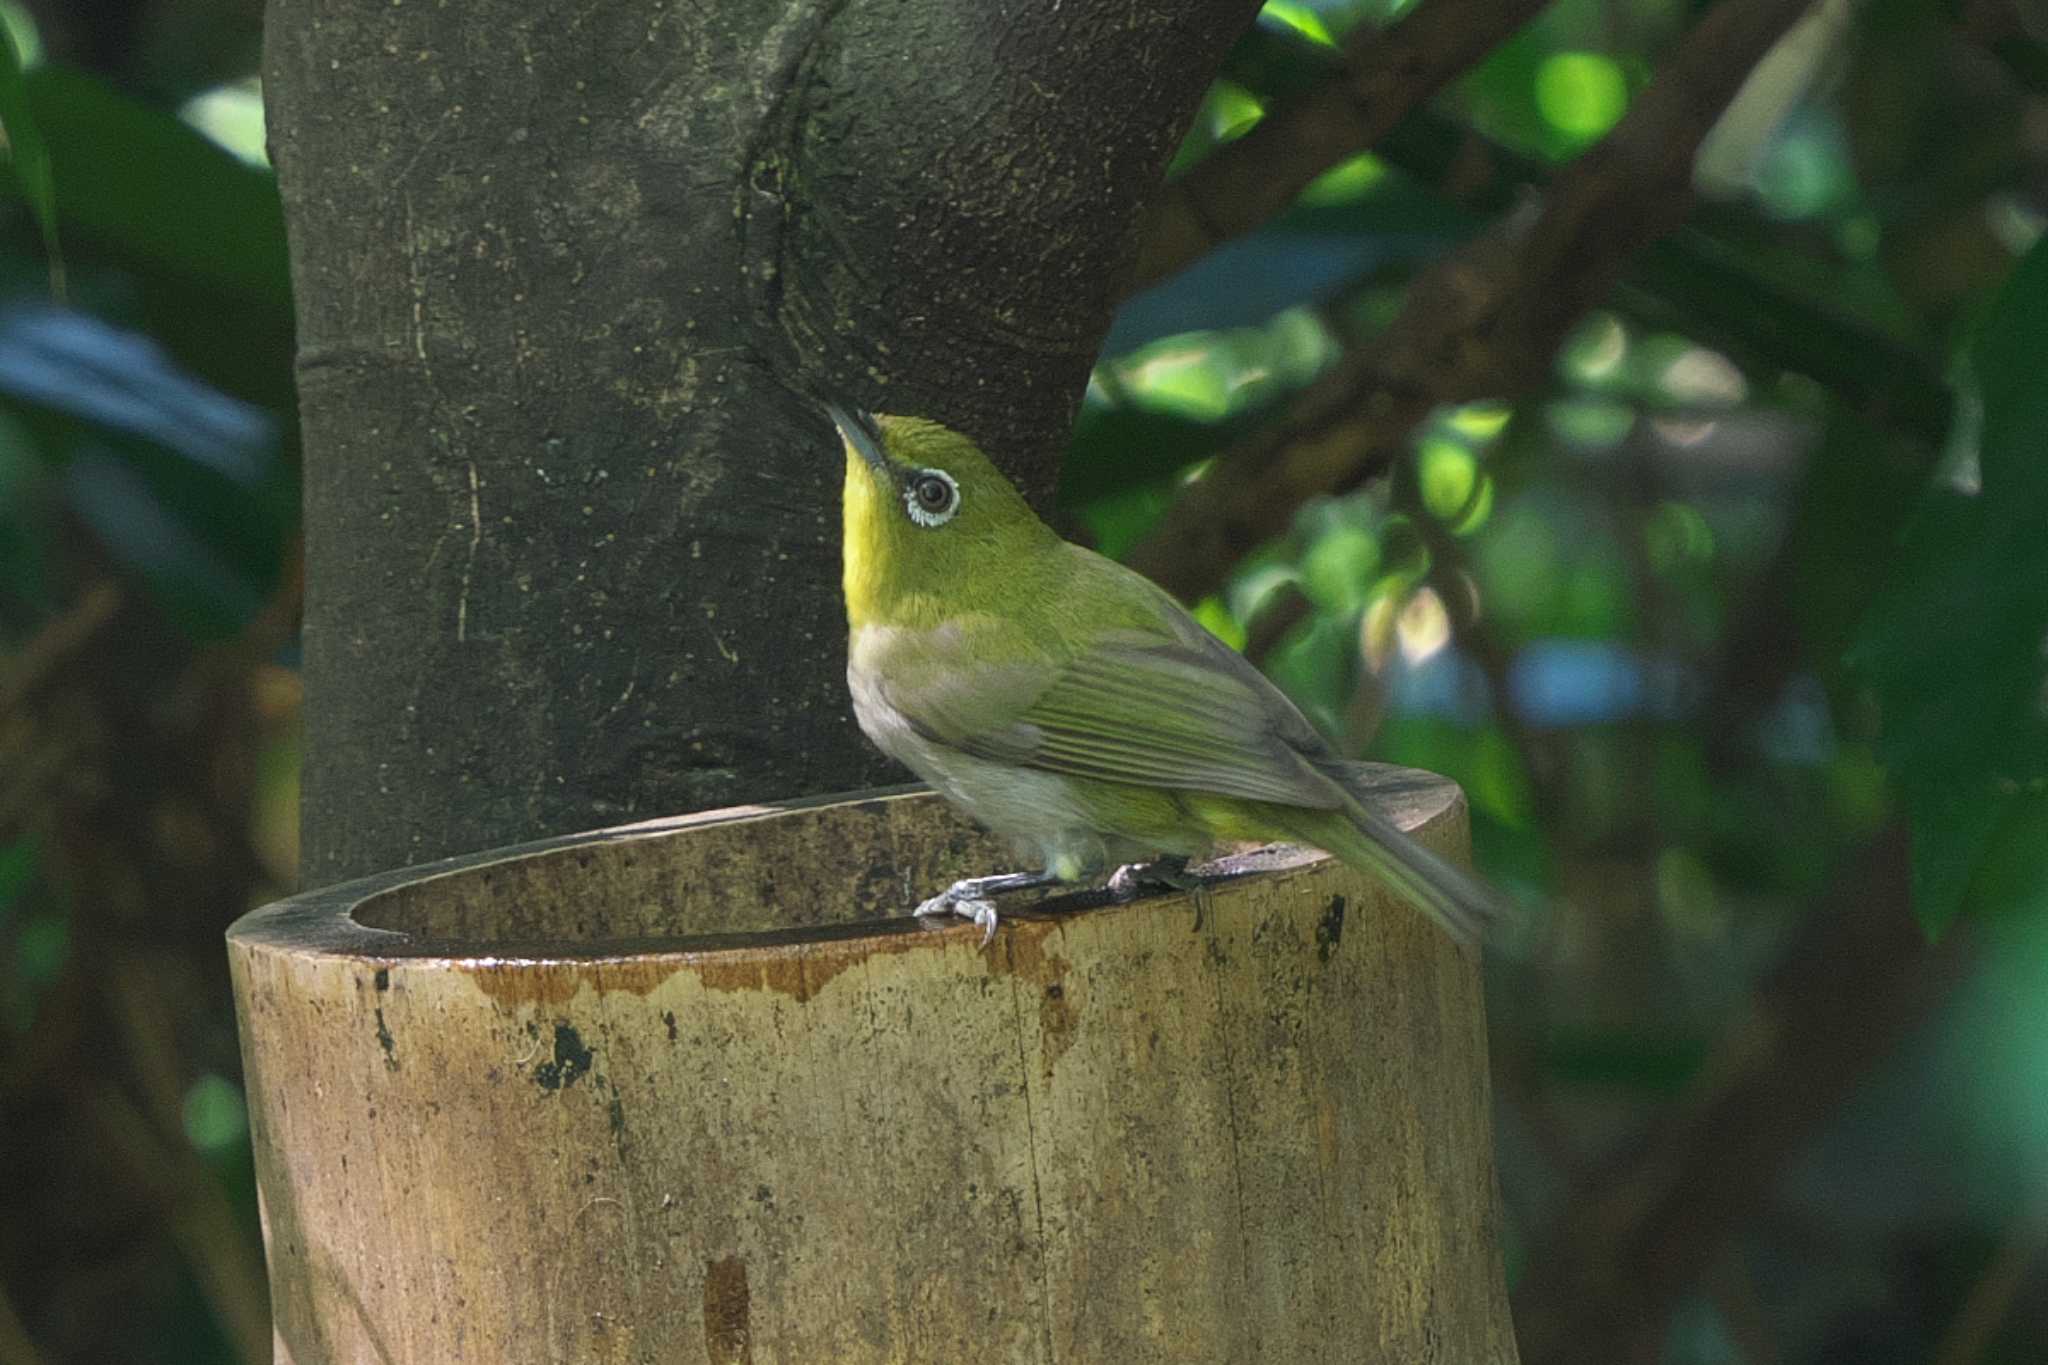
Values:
[(1469, 910)]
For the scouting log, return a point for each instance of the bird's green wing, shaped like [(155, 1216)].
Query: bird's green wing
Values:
[(1166, 713), (1156, 700)]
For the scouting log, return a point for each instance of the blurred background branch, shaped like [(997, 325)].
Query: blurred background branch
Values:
[(1484, 322), (1382, 76)]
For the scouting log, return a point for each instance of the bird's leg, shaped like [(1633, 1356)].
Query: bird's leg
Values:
[(1170, 873), (969, 898)]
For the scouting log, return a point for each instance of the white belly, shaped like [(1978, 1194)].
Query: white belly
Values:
[(1036, 811)]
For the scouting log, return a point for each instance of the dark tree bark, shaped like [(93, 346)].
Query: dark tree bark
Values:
[(571, 539)]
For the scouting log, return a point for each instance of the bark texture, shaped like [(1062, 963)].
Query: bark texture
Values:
[(571, 539), (495, 1120)]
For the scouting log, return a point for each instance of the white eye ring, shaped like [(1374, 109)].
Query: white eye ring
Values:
[(931, 497)]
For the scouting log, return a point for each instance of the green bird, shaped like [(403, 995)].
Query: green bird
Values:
[(1069, 704)]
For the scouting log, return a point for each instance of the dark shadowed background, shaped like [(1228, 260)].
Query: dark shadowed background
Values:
[(1651, 438)]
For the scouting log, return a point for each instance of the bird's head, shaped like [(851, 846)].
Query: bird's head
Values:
[(931, 524)]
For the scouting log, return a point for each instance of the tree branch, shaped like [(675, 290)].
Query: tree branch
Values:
[(1484, 321), (1386, 73)]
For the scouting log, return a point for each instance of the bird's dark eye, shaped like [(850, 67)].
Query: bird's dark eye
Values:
[(931, 497)]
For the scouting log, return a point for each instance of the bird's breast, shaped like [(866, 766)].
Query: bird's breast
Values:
[(1040, 811)]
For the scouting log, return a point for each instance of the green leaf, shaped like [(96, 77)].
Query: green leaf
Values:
[(1976, 855), (27, 154), (163, 232), (1116, 449), (156, 193), (2008, 359), (1956, 648), (1950, 830)]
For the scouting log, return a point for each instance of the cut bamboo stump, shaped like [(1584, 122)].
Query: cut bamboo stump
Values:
[(503, 1112)]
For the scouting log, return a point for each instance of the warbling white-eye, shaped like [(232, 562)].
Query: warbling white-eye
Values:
[(1068, 703)]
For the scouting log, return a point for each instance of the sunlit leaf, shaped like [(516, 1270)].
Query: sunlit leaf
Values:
[(1298, 17), (1448, 475), (1338, 567), (1215, 617), (1594, 350), (1480, 421), (1346, 182), (1231, 111), (232, 116), (21, 28), (1581, 94)]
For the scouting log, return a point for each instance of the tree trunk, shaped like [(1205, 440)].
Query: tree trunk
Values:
[(496, 1120), (570, 538)]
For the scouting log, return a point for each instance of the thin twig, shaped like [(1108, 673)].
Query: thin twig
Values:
[(58, 641)]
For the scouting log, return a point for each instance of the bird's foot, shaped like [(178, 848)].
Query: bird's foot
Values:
[(1168, 873), (980, 909), (969, 898)]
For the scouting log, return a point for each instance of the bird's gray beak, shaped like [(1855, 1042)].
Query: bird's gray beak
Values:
[(859, 431)]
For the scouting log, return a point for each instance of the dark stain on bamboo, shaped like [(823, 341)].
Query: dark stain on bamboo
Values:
[(1329, 930), (728, 1312), (571, 1060)]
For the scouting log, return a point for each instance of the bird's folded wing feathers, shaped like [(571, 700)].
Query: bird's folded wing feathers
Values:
[(1163, 712)]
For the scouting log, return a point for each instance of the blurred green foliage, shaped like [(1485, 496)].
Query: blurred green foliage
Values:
[(148, 519), (1761, 572)]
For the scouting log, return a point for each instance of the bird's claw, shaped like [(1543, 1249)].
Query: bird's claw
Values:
[(970, 907)]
